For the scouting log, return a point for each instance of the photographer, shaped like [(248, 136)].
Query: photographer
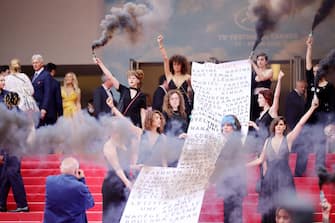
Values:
[(67, 196)]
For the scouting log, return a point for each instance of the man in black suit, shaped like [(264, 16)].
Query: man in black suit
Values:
[(56, 103), (42, 89), (295, 109), (160, 92), (295, 104), (100, 96)]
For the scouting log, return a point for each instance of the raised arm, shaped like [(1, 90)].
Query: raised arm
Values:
[(309, 43), (298, 127), (112, 157), (104, 69), (117, 113), (275, 105), (167, 70)]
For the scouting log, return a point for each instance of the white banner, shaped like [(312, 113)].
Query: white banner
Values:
[(175, 194)]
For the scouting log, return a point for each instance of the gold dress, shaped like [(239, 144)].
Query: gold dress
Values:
[(69, 102)]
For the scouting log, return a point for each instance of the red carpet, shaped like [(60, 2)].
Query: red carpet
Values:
[(36, 169)]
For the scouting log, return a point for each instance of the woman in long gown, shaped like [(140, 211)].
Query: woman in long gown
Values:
[(176, 71), (278, 178), (70, 92), (127, 151)]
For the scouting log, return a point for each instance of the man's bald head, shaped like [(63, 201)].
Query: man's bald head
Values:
[(69, 165)]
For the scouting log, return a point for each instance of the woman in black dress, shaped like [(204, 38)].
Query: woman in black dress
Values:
[(128, 149), (261, 80), (132, 101), (177, 75), (176, 124)]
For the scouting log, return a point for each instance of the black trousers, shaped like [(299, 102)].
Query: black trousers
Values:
[(10, 176), (232, 212), (114, 198), (310, 140)]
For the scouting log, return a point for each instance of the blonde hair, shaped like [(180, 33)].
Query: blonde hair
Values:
[(139, 74), (75, 83), (15, 66), (167, 107)]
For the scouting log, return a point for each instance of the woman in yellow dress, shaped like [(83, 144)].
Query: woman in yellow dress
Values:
[(70, 95)]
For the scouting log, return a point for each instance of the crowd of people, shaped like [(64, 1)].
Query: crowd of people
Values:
[(310, 110)]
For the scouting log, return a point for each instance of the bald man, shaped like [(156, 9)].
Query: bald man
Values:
[(67, 196)]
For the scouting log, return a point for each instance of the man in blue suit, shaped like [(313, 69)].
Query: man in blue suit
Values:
[(67, 195), (42, 83)]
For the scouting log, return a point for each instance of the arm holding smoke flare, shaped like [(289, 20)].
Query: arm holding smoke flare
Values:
[(112, 157), (297, 129), (116, 112), (261, 75), (309, 43), (107, 72), (167, 70)]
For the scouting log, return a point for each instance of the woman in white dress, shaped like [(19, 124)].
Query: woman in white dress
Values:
[(20, 83)]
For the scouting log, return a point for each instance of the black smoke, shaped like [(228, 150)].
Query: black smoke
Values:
[(324, 10), (125, 19), (326, 66), (265, 23), (269, 13)]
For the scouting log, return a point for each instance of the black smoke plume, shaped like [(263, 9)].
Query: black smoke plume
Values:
[(125, 19), (326, 66), (324, 10), (265, 23), (269, 13)]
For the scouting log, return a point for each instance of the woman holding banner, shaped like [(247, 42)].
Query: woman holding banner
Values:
[(278, 178), (176, 124), (229, 173)]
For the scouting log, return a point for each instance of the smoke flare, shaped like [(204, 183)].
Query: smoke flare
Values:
[(269, 13), (324, 10), (265, 23), (124, 19), (326, 66)]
